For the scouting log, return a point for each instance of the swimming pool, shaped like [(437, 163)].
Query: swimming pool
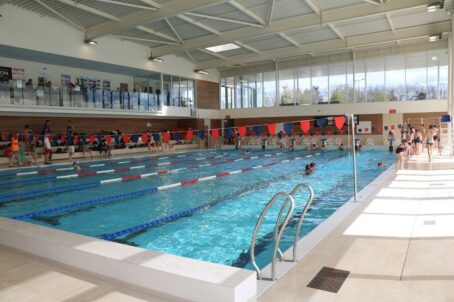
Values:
[(168, 211)]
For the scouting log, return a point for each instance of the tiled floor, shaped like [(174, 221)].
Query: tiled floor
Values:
[(24, 278), (398, 245)]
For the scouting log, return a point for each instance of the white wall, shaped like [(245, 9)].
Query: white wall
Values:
[(336, 109), (54, 72), (26, 29)]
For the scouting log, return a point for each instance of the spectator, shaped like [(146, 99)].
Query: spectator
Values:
[(29, 84), (46, 128)]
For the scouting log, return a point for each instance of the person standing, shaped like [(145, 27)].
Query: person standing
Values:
[(70, 145), (27, 132), (46, 128), (14, 155), (47, 149)]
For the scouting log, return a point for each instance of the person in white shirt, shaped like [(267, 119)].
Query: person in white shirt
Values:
[(47, 150)]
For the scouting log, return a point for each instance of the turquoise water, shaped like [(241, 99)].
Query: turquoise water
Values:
[(210, 221)]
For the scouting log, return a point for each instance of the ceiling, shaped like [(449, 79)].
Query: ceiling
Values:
[(263, 29)]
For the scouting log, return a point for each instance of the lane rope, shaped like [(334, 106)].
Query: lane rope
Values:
[(11, 197), (108, 199)]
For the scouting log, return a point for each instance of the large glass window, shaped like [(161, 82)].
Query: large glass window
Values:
[(286, 87), (259, 90), (416, 76), (320, 86), (166, 83), (375, 78), (338, 83), (304, 85), (269, 89), (175, 91), (360, 81), (395, 78)]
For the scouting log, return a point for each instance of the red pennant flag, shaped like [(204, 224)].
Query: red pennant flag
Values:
[(392, 127), (145, 138), (339, 121), (91, 139), (63, 138), (215, 133), (272, 129), (305, 126), (125, 138), (242, 131), (108, 139), (76, 139), (189, 135), (166, 137)]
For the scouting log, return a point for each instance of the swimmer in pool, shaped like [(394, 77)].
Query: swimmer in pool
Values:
[(76, 166), (380, 165), (308, 170)]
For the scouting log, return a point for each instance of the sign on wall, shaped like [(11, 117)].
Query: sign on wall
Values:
[(364, 127), (6, 73), (18, 74)]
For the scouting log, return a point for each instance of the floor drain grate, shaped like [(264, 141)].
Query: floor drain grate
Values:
[(329, 279)]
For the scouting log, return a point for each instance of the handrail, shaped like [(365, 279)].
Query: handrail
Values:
[(303, 213), (278, 234)]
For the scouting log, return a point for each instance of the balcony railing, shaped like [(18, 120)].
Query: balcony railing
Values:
[(85, 98)]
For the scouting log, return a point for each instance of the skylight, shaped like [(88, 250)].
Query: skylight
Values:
[(223, 47)]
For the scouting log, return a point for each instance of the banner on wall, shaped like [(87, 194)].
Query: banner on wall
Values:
[(18, 74), (364, 127), (6, 73)]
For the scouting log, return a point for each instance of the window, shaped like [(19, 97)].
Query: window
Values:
[(167, 81), (395, 75), (360, 81), (416, 76), (338, 83), (175, 91), (304, 85), (375, 80), (269, 88), (259, 89), (320, 93), (286, 87)]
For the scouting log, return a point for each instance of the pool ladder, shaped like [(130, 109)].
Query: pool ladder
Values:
[(279, 228)]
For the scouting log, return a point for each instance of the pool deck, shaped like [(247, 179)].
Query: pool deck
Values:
[(397, 245)]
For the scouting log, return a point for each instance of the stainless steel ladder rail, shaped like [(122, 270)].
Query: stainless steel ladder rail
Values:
[(279, 230), (303, 213)]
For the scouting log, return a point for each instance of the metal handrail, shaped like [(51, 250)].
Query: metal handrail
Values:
[(279, 230), (303, 213)]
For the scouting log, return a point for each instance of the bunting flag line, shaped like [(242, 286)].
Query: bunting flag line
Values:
[(242, 131), (288, 128), (305, 127), (189, 135), (272, 129), (339, 122), (257, 130), (215, 134)]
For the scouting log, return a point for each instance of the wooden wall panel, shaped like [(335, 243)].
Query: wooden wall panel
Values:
[(427, 118), (207, 95), (93, 125)]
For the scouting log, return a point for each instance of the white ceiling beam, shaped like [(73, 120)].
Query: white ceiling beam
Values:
[(151, 3), (246, 11), (390, 22), (239, 43), (224, 19), (89, 9), (127, 4), (364, 40), (212, 53), (61, 16), (168, 9), (313, 6), (271, 11), (143, 39), (156, 33), (336, 31), (372, 2), (174, 30), (290, 40), (191, 58), (351, 12), (199, 24)]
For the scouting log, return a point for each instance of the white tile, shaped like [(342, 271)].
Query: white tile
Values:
[(399, 226)]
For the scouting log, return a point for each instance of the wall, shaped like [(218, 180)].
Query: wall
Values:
[(207, 95), (336, 109), (29, 30), (54, 71), (426, 118), (10, 124)]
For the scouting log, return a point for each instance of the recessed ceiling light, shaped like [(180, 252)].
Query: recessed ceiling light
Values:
[(435, 6), (223, 47), (436, 37), (91, 42), (201, 71)]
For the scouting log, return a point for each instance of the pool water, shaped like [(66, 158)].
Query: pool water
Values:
[(211, 220)]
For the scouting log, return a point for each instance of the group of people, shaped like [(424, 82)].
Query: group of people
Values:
[(414, 141)]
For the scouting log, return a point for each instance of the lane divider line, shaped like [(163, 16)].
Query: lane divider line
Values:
[(108, 199)]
